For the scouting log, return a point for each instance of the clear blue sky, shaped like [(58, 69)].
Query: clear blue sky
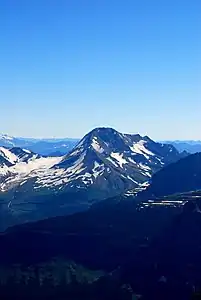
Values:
[(67, 66)]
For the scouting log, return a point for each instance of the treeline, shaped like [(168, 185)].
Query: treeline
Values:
[(101, 290)]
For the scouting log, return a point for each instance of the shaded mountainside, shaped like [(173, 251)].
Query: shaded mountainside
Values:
[(54, 270), (182, 176), (108, 233), (155, 249), (105, 163)]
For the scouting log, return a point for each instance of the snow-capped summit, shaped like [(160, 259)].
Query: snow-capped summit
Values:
[(114, 145), (104, 163), (6, 137)]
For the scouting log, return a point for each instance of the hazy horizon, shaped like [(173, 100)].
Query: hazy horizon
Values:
[(79, 138)]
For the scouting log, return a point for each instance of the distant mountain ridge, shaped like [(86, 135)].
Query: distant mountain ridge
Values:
[(40, 146), (189, 146)]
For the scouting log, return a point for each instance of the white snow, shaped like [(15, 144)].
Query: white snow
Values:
[(23, 182), (96, 145), (37, 164), (140, 148), (21, 171), (133, 180), (55, 177), (162, 163), (4, 170), (112, 161), (145, 184), (119, 158), (12, 158), (77, 164), (146, 174), (131, 160), (27, 151), (42, 169), (96, 165), (87, 178), (98, 169), (144, 167), (46, 173), (77, 151)]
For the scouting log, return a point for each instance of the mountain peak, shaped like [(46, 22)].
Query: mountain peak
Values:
[(105, 163), (101, 132), (129, 159), (6, 137), (103, 137)]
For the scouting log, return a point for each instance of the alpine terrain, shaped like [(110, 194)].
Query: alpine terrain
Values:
[(105, 163)]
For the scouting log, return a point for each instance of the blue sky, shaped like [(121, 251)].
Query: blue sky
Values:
[(68, 66)]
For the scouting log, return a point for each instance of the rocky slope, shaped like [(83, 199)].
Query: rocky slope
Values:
[(105, 163), (109, 161)]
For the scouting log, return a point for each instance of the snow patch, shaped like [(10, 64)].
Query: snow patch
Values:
[(27, 151), (4, 170), (131, 160), (140, 148), (23, 182), (112, 161), (96, 145), (133, 180), (21, 171), (145, 184), (98, 169), (75, 152), (37, 164), (119, 158), (12, 158), (162, 163), (144, 167)]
